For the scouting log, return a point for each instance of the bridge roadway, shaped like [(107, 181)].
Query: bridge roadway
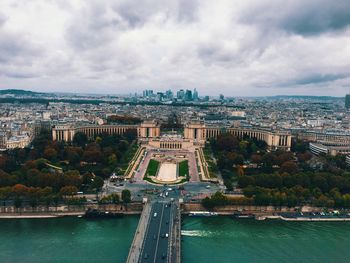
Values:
[(161, 240)]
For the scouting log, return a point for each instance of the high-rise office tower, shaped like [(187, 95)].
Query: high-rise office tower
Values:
[(169, 94), (180, 95), (347, 101), (188, 95), (195, 95)]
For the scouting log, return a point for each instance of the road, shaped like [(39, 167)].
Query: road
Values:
[(156, 246), (138, 189)]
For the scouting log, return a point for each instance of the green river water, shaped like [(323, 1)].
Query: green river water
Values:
[(218, 239)]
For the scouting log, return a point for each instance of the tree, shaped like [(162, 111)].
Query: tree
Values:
[(7, 179), (126, 197), (5, 193), (33, 196), (72, 177), (97, 183), (289, 167), (50, 153), (80, 139), (19, 190), (207, 203), (268, 160), (244, 181), (112, 160), (18, 202), (256, 158), (226, 142), (68, 190)]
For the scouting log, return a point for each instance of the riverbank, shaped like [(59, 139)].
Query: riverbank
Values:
[(8, 212), (305, 213)]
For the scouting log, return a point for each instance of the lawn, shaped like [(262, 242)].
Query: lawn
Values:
[(152, 168), (183, 169)]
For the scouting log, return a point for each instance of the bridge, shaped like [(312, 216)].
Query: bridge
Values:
[(158, 235)]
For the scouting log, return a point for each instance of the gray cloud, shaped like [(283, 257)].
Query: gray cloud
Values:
[(2, 19), (14, 47), (252, 47), (319, 78), (306, 18)]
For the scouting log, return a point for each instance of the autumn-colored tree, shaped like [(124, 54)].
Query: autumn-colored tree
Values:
[(50, 153), (7, 179), (68, 190), (19, 190), (72, 177), (289, 167), (256, 158)]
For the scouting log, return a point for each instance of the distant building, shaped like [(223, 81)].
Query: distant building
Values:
[(160, 96), (347, 101), (20, 141), (180, 95), (188, 95), (169, 94), (147, 93), (195, 95), (328, 148)]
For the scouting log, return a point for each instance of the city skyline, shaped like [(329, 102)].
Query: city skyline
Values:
[(237, 48)]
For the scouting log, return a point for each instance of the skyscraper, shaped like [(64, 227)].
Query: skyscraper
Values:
[(195, 95), (347, 101), (188, 95), (169, 94), (180, 94), (147, 93)]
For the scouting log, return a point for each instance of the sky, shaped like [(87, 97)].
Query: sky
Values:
[(233, 47)]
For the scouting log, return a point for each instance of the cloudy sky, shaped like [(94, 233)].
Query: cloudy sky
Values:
[(234, 47)]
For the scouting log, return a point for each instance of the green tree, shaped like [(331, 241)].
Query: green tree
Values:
[(97, 183), (126, 196), (289, 167), (80, 139), (18, 202)]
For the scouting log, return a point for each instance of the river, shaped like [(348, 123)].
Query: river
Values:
[(216, 239), (246, 240)]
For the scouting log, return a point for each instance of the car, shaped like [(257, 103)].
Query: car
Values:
[(163, 256), (170, 189), (166, 235), (146, 256), (154, 237), (155, 215), (208, 186)]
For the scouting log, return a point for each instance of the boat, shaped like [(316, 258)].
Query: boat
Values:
[(239, 215), (202, 213), (94, 213)]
